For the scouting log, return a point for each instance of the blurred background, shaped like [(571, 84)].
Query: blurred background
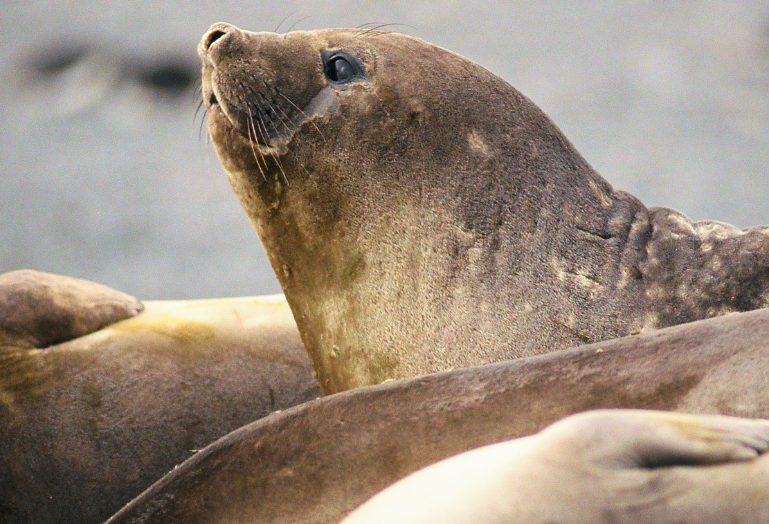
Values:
[(107, 173)]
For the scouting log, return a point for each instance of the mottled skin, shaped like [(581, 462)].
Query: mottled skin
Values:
[(87, 424), (316, 462), (600, 467), (424, 215)]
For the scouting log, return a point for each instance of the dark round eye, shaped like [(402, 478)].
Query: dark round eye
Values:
[(341, 67), (340, 70)]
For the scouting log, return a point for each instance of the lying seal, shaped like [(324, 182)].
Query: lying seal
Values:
[(316, 462), (421, 214), (87, 424), (597, 467)]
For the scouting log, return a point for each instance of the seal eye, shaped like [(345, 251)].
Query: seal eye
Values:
[(341, 68)]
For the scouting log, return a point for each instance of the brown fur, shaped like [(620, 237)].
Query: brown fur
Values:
[(38, 309), (87, 424), (316, 462), (428, 216)]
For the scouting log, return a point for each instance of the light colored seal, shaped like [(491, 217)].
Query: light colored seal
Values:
[(600, 467), (87, 424), (316, 462), (421, 214)]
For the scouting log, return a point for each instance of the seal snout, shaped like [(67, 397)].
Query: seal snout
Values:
[(211, 37), (213, 46), (216, 36), (250, 86)]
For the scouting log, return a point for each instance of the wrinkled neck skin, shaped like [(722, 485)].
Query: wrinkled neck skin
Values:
[(431, 217)]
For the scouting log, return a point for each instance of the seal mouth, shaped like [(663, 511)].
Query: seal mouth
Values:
[(212, 102), (259, 113), (208, 89)]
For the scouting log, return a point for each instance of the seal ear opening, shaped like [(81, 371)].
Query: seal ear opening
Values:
[(341, 67)]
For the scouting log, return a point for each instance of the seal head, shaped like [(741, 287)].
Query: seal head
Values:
[(421, 214)]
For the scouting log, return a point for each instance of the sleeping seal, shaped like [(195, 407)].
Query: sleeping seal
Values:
[(599, 467), (421, 214), (89, 422)]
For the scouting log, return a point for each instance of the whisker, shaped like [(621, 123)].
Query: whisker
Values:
[(280, 166), (375, 26), (255, 96), (203, 117), (251, 143), (201, 129), (197, 110), (197, 92), (292, 13), (263, 126), (305, 115), (297, 23), (263, 131), (283, 117), (290, 126)]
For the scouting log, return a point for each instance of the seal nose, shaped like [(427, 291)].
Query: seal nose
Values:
[(215, 32), (215, 36)]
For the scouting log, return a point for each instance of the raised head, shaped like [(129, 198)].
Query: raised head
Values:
[(421, 214)]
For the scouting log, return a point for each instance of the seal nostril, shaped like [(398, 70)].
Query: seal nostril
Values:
[(213, 36)]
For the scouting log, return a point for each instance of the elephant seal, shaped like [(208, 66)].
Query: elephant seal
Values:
[(600, 467), (39, 309), (316, 462), (421, 214), (86, 425)]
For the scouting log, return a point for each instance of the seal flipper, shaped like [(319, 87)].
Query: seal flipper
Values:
[(656, 439), (38, 310)]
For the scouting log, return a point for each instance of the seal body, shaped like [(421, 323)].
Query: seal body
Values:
[(88, 423), (317, 462), (421, 214), (645, 467)]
